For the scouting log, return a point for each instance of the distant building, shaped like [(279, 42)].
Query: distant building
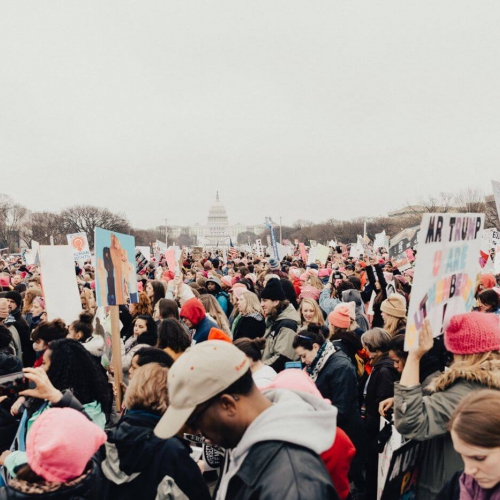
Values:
[(409, 211), (217, 231)]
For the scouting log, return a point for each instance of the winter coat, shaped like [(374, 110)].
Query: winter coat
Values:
[(279, 336), (86, 487), (380, 386), (338, 383), (377, 320), (276, 461), (24, 335), (203, 329), (95, 345), (355, 296), (251, 326), (9, 364), (451, 490), (425, 418), (138, 464), (326, 302)]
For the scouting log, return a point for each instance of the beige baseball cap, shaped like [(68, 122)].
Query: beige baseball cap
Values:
[(202, 372)]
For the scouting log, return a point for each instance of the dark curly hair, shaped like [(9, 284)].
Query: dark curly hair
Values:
[(172, 334), (49, 331), (149, 337), (72, 367)]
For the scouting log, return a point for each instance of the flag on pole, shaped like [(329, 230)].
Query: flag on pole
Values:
[(233, 253)]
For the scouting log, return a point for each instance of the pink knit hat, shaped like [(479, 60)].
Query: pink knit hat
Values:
[(488, 280), (58, 453), (239, 289), (342, 315), (226, 280), (309, 292), (294, 379), (473, 333)]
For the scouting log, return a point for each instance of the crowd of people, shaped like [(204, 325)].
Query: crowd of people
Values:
[(247, 378)]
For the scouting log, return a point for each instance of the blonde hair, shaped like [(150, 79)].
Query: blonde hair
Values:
[(315, 282), (392, 325), (318, 315), (148, 389), (252, 305), (213, 308)]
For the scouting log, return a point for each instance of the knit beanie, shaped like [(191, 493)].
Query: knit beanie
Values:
[(274, 265), (340, 316), (473, 333), (239, 289), (394, 305), (273, 290), (60, 444), (309, 292), (15, 296), (487, 280)]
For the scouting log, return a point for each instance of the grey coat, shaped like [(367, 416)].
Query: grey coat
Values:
[(425, 418)]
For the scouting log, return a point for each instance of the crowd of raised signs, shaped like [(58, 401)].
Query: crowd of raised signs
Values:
[(250, 378)]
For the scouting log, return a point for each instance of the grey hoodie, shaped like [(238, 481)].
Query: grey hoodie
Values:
[(355, 296), (295, 417)]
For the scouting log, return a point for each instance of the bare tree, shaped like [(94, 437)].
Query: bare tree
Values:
[(40, 226), (12, 215), (85, 218)]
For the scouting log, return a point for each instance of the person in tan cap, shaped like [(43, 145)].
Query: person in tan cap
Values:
[(394, 314), (273, 440)]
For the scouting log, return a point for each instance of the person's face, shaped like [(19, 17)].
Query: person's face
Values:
[(218, 420), (46, 360), (480, 463), (16, 279), (187, 323), (12, 305), (267, 305), (483, 307), (133, 367), (36, 308), (242, 302), (231, 272), (140, 327), (373, 354), (399, 363), (307, 356), (149, 289), (307, 311), (388, 268), (39, 345), (32, 285), (211, 287)]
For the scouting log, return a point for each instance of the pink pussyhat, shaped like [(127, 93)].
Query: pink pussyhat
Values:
[(58, 453)]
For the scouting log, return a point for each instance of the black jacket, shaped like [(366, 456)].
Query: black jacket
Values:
[(88, 488), (29, 355), (133, 450), (278, 470), (250, 327), (337, 381), (451, 490), (380, 386), (377, 313), (9, 364)]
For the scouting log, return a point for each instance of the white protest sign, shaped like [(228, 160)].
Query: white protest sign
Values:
[(258, 247), (62, 298), (380, 240), (312, 255), (79, 245), (322, 253), (282, 252), (384, 458), (146, 252), (445, 274)]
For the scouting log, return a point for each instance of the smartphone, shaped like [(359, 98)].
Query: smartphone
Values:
[(293, 364), (11, 385)]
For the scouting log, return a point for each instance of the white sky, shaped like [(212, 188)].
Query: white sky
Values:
[(301, 109)]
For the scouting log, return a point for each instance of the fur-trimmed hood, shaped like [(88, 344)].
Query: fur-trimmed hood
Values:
[(486, 373)]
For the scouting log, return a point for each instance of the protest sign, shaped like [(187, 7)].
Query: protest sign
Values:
[(312, 255), (401, 261), (80, 246), (446, 270), (258, 248), (322, 253), (303, 252), (273, 236), (408, 238), (146, 251), (62, 298), (197, 253), (380, 240), (116, 280), (102, 326), (384, 459), (140, 261), (402, 476), (160, 248)]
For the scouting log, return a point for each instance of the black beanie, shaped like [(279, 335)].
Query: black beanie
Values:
[(273, 290), (15, 296)]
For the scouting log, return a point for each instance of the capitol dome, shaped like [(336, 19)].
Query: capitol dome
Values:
[(218, 225)]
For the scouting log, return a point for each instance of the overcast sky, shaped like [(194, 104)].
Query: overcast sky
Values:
[(301, 109)]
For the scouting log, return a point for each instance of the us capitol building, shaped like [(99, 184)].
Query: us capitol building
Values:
[(217, 231)]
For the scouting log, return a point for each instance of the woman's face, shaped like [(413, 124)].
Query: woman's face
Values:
[(149, 289), (480, 463), (242, 303), (307, 312), (307, 356), (156, 312), (46, 360), (36, 308), (483, 307), (140, 327), (399, 363), (39, 345), (133, 367)]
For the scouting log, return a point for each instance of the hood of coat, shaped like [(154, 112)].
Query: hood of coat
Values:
[(289, 313), (352, 296), (9, 364), (95, 345), (486, 374), (194, 311)]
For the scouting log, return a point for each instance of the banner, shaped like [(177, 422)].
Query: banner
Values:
[(80, 246), (258, 248), (446, 270), (62, 298), (116, 279), (273, 236)]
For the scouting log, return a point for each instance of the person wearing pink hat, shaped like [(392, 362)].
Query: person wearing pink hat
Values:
[(60, 463), (474, 340)]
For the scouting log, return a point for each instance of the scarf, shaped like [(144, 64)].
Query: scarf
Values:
[(470, 490), (325, 351)]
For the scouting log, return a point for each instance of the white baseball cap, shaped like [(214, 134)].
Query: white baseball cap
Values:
[(202, 372)]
